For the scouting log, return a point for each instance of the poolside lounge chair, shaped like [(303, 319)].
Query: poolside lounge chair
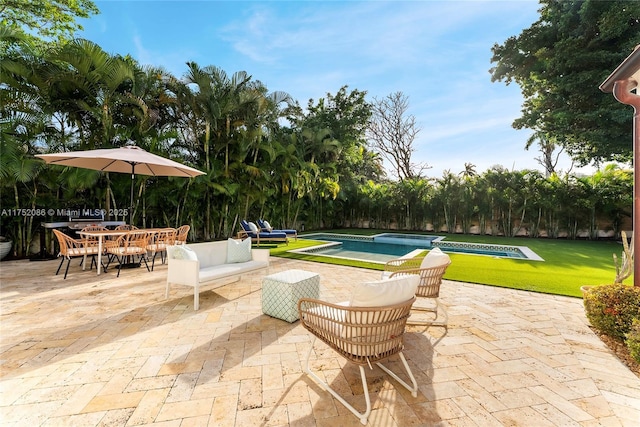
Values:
[(366, 330), (249, 229), (430, 269), (265, 226)]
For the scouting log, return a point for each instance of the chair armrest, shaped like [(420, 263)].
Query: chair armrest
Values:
[(260, 255), (403, 264), (430, 279), (423, 272), (242, 234), (325, 315), (315, 311), (183, 271), (363, 335), (323, 319)]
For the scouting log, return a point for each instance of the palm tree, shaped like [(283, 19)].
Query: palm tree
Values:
[(469, 171), (447, 198), (607, 194), (547, 145), (22, 122), (205, 104), (87, 84)]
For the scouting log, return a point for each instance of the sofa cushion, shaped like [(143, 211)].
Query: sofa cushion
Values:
[(225, 270), (183, 252), (385, 292), (435, 258), (238, 250)]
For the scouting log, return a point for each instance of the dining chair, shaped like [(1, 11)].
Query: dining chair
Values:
[(92, 240), (74, 248), (126, 227), (158, 243), (181, 234), (128, 246)]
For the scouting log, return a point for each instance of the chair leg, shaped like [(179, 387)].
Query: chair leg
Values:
[(109, 259), (67, 269), (119, 264), (144, 258), (435, 310), (361, 416), (153, 260), (414, 388), (60, 266)]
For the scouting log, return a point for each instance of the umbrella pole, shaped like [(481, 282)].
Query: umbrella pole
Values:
[(129, 259), (133, 166)]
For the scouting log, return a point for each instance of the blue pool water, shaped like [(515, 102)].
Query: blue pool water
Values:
[(384, 247)]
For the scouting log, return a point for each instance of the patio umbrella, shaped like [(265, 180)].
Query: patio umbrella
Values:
[(128, 159)]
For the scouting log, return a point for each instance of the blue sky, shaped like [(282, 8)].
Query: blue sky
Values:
[(436, 52)]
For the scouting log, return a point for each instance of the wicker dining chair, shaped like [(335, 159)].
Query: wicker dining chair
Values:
[(181, 234), (158, 243), (361, 335), (126, 227), (133, 243), (430, 269), (74, 248), (92, 240)]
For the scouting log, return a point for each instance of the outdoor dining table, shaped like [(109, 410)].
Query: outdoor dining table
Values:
[(101, 234)]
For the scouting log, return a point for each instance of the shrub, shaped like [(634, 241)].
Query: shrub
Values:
[(633, 340), (612, 308)]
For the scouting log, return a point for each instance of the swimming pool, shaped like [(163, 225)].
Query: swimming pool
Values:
[(381, 248)]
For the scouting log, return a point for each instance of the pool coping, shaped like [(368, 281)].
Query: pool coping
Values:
[(439, 241)]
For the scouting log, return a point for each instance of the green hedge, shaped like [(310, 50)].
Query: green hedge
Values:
[(612, 309)]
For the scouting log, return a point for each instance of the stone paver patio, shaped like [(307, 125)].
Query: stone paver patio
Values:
[(106, 351)]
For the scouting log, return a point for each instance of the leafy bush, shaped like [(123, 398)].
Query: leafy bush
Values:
[(612, 308), (633, 340)]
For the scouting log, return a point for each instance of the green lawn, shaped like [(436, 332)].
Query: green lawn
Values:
[(567, 265)]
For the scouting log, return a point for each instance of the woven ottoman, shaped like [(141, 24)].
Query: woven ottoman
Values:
[(281, 292)]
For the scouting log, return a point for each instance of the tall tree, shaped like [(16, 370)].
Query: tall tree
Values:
[(23, 121), (549, 156), (328, 138), (392, 132), (90, 85), (45, 20), (559, 61)]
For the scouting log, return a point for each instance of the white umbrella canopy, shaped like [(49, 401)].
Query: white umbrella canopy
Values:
[(129, 159)]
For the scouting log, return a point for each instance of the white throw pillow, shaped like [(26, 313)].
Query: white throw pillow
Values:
[(385, 292), (253, 227), (267, 225), (183, 252), (435, 258), (374, 294), (238, 250)]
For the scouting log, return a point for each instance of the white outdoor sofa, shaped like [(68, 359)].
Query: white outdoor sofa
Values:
[(196, 264)]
